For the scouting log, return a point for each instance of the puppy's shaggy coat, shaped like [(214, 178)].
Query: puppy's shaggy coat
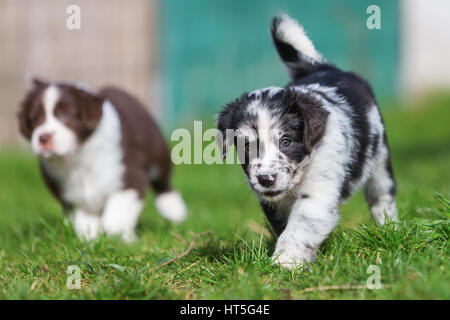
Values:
[(318, 140)]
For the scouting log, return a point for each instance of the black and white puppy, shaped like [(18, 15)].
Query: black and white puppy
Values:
[(318, 140), (98, 152)]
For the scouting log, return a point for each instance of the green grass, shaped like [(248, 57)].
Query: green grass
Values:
[(232, 261)]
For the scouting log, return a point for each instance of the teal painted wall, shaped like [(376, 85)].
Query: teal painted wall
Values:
[(212, 51)]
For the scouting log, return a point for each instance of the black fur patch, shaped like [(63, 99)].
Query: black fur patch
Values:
[(360, 97), (270, 210), (393, 190)]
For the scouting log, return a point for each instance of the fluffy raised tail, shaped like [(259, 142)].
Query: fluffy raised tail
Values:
[(294, 47)]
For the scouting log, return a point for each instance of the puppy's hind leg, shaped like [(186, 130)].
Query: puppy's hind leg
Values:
[(168, 202), (380, 191)]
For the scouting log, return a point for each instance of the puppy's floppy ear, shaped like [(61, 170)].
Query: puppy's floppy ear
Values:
[(314, 116), (227, 120), (223, 123), (315, 121), (90, 106), (91, 112), (24, 126), (26, 106)]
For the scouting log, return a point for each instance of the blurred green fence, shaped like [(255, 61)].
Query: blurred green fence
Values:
[(212, 51)]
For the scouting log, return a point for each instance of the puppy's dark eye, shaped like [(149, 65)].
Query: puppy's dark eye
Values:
[(285, 142), (62, 115)]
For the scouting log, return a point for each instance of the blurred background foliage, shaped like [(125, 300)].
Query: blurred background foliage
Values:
[(213, 51)]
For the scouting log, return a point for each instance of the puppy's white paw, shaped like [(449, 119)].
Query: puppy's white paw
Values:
[(129, 237), (288, 259), (171, 206), (87, 226), (291, 256)]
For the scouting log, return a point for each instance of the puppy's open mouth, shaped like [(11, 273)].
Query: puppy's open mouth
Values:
[(46, 153), (268, 194), (271, 193)]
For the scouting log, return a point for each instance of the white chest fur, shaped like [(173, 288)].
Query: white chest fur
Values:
[(96, 170)]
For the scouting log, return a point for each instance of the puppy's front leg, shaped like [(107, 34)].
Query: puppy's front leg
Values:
[(309, 223), (86, 225), (121, 214)]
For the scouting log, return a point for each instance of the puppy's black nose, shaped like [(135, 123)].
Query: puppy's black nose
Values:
[(266, 180), (45, 138)]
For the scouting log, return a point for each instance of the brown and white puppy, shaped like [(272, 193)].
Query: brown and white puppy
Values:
[(98, 152)]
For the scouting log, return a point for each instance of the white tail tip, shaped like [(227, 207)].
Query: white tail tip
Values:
[(171, 206), (288, 30)]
